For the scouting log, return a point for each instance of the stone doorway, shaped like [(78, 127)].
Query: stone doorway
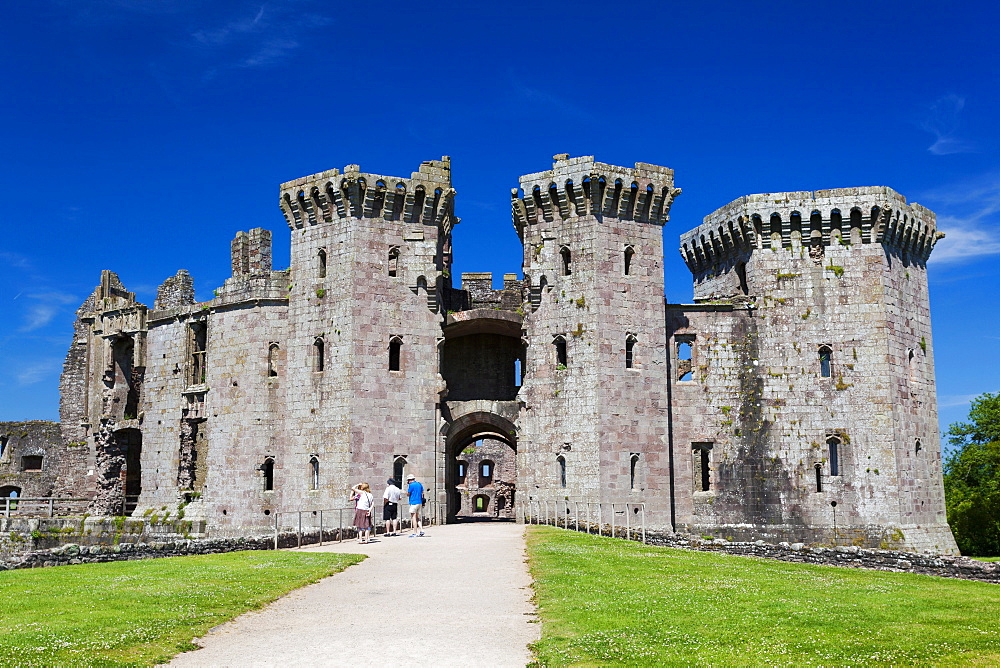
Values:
[(130, 440), (481, 470)]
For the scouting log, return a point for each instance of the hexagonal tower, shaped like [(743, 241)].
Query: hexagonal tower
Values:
[(806, 409), (371, 256), (594, 421)]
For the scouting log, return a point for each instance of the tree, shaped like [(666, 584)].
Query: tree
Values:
[(972, 478)]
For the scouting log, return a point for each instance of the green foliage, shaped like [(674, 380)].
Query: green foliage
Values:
[(612, 602), (142, 612), (837, 270), (972, 478), (923, 343), (320, 292)]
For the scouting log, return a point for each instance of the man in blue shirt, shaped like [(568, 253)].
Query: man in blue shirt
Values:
[(416, 492)]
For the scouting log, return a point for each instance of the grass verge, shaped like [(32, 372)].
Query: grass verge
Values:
[(612, 602), (141, 612)]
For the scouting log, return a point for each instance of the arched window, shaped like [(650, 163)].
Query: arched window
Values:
[(917, 447), (272, 360), (562, 470), (633, 465), (268, 470), (399, 469), (629, 254), (319, 354), (481, 503), (395, 347), (485, 473), (833, 444), (562, 358), (419, 196), (313, 473), (567, 261), (394, 261), (825, 357), (321, 263), (630, 351)]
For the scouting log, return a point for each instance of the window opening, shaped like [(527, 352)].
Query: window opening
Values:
[(199, 339), (833, 443), (321, 263), (268, 470), (485, 473), (31, 463), (399, 469), (741, 274), (562, 358), (272, 360), (702, 454), (394, 261), (917, 447), (395, 345), (517, 373), (633, 463), (3, 444), (314, 473), (825, 369), (819, 477), (629, 351), (629, 254), (462, 467), (319, 354), (685, 362), (562, 470), (481, 503), (567, 261)]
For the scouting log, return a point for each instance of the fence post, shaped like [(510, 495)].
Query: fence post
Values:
[(298, 534), (321, 528), (612, 520), (628, 523), (643, 508), (51, 502), (340, 525), (576, 514), (276, 531)]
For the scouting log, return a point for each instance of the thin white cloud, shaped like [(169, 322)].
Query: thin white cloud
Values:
[(45, 307), (969, 215), (38, 371), (941, 120), (953, 400)]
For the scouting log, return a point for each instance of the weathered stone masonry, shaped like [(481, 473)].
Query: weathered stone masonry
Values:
[(793, 401)]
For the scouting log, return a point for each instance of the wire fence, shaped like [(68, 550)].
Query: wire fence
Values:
[(313, 527), (619, 519), (48, 506)]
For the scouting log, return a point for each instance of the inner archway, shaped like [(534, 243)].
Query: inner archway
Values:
[(481, 468)]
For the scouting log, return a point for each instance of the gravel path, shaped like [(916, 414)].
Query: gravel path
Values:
[(458, 596)]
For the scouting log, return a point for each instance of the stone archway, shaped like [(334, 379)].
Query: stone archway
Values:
[(480, 467)]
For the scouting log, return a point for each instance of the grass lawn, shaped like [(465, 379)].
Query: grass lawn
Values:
[(141, 612), (604, 601)]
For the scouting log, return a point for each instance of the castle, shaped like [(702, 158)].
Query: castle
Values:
[(794, 400)]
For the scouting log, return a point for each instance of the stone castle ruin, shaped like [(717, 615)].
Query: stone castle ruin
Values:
[(793, 401)]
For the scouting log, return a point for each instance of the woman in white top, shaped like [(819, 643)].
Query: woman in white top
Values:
[(363, 511)]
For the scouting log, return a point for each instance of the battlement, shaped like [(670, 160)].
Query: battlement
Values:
[(425, 198), (251, 253), (581, 186), (844, 216)]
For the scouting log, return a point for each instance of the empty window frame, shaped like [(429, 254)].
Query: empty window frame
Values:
[(517, 373), (562, 357), (629, 255), (399, 469), (630, 351), (272, 360), (321, 263), (833, 444), (395, 351), (267, 468), (633, 465), (685, 357), (561, 461), (319, 354), (394, 261), (917, 447), (485, 473), (819, 477), (314, 473), (463, 467), (31, 463), (566, 261), (741, 274), (702, 466), (3, 444), (825, 362), (198, 343)]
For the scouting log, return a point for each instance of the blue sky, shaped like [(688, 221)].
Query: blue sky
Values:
[(139, 136)]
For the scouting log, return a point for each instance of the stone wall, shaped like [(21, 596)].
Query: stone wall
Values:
[(32, 456)]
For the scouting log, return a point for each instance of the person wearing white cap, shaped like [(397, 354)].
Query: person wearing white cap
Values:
[(415, 490)]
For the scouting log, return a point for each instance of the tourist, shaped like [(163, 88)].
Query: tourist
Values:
[(390, 507), (363, 511), (416, 493)]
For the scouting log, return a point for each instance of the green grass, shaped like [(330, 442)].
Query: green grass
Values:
[(138, 613), (613, 602)]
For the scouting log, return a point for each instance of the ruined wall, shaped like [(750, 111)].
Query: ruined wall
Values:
[(370, 257), (32, 456), (587, 417), (495, 489), (814, 353)]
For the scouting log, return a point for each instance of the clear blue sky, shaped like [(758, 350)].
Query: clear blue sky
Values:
[(139, 136)]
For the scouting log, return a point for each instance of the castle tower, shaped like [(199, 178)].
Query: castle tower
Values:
[(371, 257), (803, 381), (593, 426)]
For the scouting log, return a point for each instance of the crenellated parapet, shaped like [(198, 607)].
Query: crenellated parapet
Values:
[(580, 187), (425, 198), (842, 216)]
